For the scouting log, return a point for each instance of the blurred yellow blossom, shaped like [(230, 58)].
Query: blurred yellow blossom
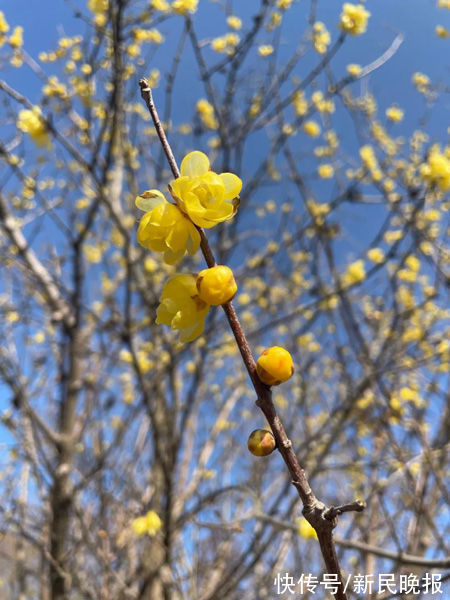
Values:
[(376, 255), (394, 113), (149, 524), (206, 113), (325, 171), (182, 7), (436, 170), (311, 128), (31, 122), (354, 18), (355, 273), (320, 37), (354, 69), (234, 22), (265, 50)]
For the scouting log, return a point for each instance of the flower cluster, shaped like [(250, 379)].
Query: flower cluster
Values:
[(436, 171), (320, 37), (202, 198), (354, 18), (31, 122)]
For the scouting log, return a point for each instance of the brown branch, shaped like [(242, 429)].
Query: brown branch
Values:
[(323, 519)]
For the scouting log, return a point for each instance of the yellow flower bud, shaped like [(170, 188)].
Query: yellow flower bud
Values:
[(216, 285), (275, 366), (261, 442)]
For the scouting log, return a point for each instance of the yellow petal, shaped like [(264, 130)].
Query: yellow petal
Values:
[(232, 183), (190, 333), (194, 164), (149, 200), (193, 242)]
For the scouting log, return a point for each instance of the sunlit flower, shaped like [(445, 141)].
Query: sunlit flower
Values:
[(234, 22), (376, 255), (182, 7), (325, 171), (31, 122), (206, 113), (275, 366), (206, 197), (311, 128), (265, 50), (320, 37), (394, 114), (181, 308), (442, 32), (225, 43), (149, 524), (164, 228), (354, 69), (216, 285), (436, 171), (16, 38), (354, 18), (355, 273)]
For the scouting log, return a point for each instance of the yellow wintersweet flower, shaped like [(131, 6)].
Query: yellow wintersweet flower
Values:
[(265, 50), (16, 38), (98, 6), (376, 255), (355, 273), (181, 308), (206, 197), (442, 32), (311, 128), (325, 171), (225, 43), (182, 7), (320, 37), (354, 69), (394, 114), (4, 28), (354, 18), (234, 22), (436, 171), (149, 524), (206, 113), (421, 81), (305, 529), (31, 122), (164, 228)]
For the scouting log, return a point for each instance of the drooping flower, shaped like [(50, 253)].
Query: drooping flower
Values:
[(206, 197), (164, 228), (31, 122), (354, 18), (149, 524), (181, 307)]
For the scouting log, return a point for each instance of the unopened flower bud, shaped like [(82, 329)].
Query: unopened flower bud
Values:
[(216, 285), (275, 366), (261, 442)]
